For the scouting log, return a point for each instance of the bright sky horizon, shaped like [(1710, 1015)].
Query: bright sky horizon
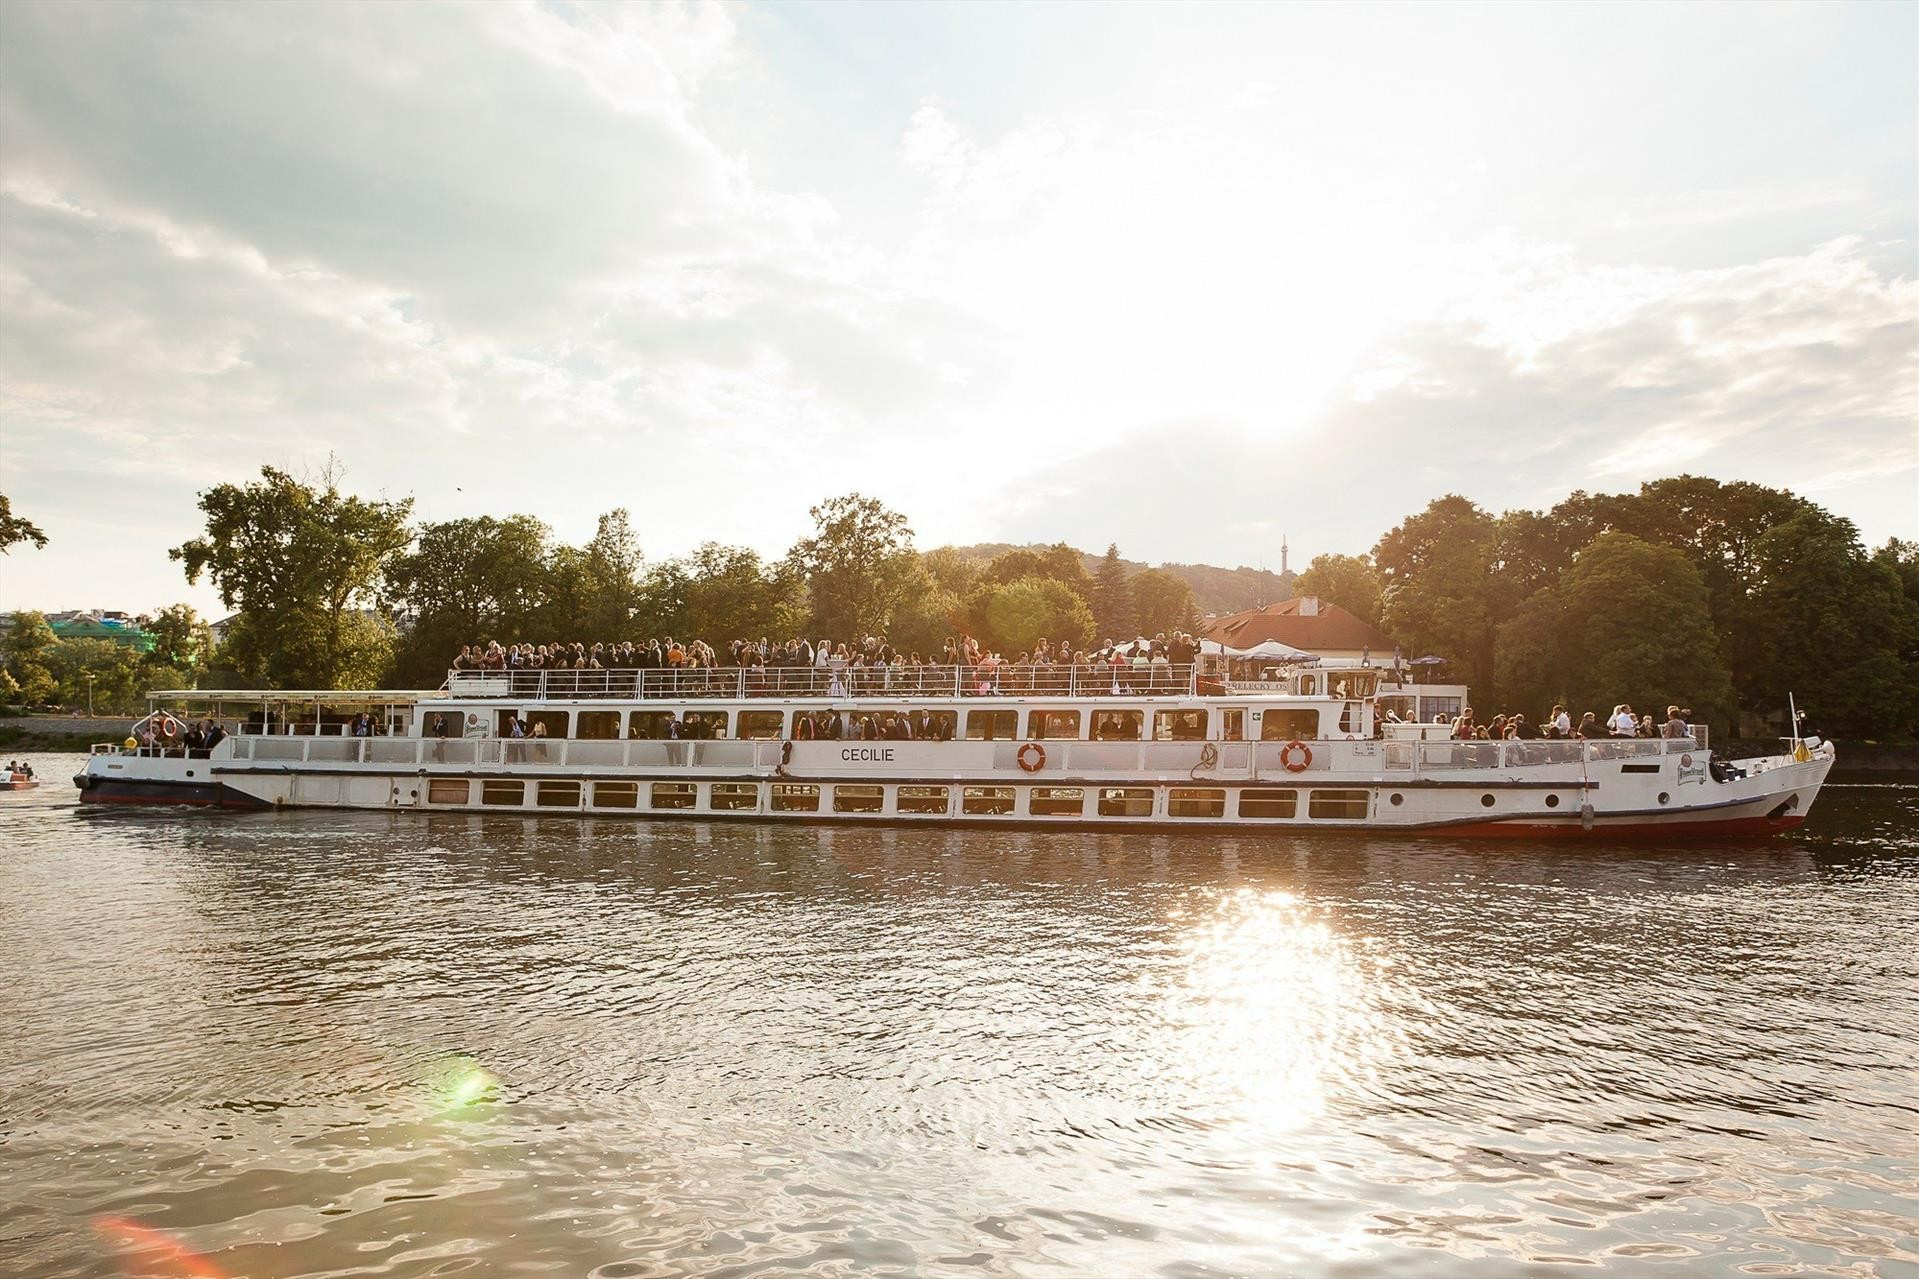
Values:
[(1183, 277)]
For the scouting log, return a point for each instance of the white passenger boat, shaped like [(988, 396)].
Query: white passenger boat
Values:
[(1081, 746)]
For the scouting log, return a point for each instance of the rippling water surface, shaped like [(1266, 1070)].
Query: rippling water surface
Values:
[(342, 1044)]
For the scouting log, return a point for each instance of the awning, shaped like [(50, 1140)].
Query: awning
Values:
[(1265, 651)]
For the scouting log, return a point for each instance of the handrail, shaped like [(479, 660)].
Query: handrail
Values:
[(837, 683)]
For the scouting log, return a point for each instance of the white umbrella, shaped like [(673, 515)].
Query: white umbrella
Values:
[(1265, 650)]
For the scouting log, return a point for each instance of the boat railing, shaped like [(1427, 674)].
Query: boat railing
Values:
[(1271, 762), (1006, 679)]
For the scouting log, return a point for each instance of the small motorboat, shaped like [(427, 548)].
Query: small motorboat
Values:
[(14, 780)]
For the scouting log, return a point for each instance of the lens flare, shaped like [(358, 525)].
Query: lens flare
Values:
[(464, 1083), (147, 1253)]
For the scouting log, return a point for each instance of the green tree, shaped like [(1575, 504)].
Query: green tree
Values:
[(599, 587), (1056, 563), (859, 567), (298, 562), (720, 593), (1349, 581), (951, 571), (1112, 600), (29, 646), (119, 680), (1013, 616), (1161, 602), (182, 640), (1439, 593), (1627, 622), (15, 528), (465, 582), (1835, 628)]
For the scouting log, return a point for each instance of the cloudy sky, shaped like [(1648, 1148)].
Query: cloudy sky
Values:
[(1183, 277)]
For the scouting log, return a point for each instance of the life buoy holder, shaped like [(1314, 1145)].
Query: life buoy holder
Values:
[(1292, 763), (1032, 757)]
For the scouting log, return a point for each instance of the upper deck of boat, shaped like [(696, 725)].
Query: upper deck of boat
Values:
[(858, 683)]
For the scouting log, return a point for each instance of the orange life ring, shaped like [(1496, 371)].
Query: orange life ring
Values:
[(1032, 757), (169, 727), (1292, 765)]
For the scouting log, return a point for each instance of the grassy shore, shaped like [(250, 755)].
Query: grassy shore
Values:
[(22, 739)]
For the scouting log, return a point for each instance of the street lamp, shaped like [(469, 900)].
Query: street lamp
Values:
[(90, 678)]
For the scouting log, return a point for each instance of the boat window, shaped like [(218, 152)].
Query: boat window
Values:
[(731, 797), (447, 790), (1268, 803), (559, 795), (1348, 804), (762, 726), (1056, 801), (1232, 725), (1196, 801), (992, 726), (506, 794), (989, 800), (789, 797), (1309, 685), (1287, 726), (649, 725), (1053, 725), (922, 799), (616, 794), (1179, 726), (1349, 717), (939, 726), (1126, 801), (858, 799), (1116, 726), (554, 721), (1354, 684), (598, 726), (703, 725), (674, 794)]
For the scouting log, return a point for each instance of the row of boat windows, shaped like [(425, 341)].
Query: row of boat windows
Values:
[(980, 801), (978, 726)]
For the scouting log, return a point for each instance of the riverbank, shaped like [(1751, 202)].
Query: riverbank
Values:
[(60, 732)]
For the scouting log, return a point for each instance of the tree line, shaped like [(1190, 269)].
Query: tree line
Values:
[(1722, 597), (330, 589)]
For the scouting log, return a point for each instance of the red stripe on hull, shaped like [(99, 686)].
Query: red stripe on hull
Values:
[(1634, 830), (90, 798)]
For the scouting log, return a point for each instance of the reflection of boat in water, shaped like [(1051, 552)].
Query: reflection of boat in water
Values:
[(1078, 746)]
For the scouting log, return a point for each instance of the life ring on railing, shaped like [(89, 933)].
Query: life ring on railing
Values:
[(1032, 757), (169, 726), (1289, 763)]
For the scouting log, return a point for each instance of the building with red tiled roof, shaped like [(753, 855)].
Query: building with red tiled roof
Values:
[(1307, 622)]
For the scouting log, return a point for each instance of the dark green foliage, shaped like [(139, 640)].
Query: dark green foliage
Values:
[(1349, 581), (1835, 628), (1162, 603), (1628, 621), (1113, 599), (858, 566), (298, 562), (15, 528)]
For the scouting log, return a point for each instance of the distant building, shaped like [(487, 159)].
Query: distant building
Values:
[(1305, 622)]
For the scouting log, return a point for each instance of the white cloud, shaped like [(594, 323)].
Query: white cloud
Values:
[(1150, 287)]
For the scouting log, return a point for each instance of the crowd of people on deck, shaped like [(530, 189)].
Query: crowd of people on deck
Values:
[(1558, 725), (847, 668)]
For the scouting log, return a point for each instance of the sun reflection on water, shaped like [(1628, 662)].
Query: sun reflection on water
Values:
[(1272, 1009)]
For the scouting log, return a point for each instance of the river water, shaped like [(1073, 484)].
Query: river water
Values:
[(340, 1044)]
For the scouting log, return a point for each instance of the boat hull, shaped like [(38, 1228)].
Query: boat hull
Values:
[(1669, 799)]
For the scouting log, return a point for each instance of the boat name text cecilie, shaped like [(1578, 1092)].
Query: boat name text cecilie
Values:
[(867, 754)]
